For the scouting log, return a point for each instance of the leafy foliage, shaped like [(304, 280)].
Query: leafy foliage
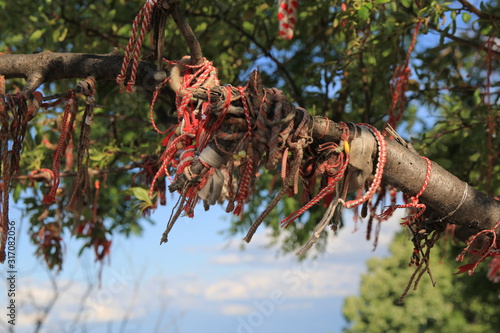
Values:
[(457, 303)]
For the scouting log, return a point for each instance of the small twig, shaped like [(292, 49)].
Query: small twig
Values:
[(392, 132), (173, 218), (451, 131), (265, 50), (56, 96), (160, 38), (187, 32), (470, 7), (46, 310), (74, 173), (463, 41), (89, 31), (81, 307)]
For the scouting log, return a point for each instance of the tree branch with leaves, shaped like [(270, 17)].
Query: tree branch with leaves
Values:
[(226, 137)]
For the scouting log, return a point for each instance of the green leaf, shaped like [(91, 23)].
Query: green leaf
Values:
[(201, 27), (141, 194), (60, 34), (97, 156), (474, 157), (336, 22), (36, 35), (135, 229), (407, 3), (111, 15), (477, 97), (248, 26), (487, 29), (17, 192), (466, 17), (363, 13), (124, 30)]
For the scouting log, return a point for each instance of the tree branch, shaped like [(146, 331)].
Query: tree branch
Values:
[(187, 32), (470, 7), (49, 66), (463, 41), (279, 65), (451, 199)]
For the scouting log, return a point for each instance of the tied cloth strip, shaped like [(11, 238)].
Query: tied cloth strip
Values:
[(235, 130), (343, 157), (192, 130), (335, 206), (66, 131)]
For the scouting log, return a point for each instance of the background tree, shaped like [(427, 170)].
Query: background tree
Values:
[(458, 302), (353, 61)]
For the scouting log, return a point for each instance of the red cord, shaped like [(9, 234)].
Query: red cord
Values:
[(414, 202), (132, 52), (399, 82), (379, 172)]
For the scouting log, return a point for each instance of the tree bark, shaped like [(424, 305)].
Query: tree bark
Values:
[(49, 66), (450, 199)]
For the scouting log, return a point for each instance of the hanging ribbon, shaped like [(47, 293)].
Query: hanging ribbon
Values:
[(287, 17)]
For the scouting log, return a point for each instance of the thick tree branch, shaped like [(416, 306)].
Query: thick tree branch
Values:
[(452, 200), (49, 66), (449, 198)]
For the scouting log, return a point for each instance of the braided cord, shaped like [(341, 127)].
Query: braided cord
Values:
[(65, 126), (132, 52), (249, 168), (287, 17), (491, 251), (382, 156)]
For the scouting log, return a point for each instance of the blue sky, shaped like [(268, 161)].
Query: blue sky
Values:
[(199, 281)]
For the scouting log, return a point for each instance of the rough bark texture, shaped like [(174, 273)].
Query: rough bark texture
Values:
[(48, 66), (446, 195), (449, 197)]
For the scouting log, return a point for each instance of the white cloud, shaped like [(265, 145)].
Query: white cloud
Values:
[(336, 273), (236, 310), (226, 290), (233, 258), (305, 280), (224, 280), (106, 304)]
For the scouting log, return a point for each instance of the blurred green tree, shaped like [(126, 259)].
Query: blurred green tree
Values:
[(458, 303)]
